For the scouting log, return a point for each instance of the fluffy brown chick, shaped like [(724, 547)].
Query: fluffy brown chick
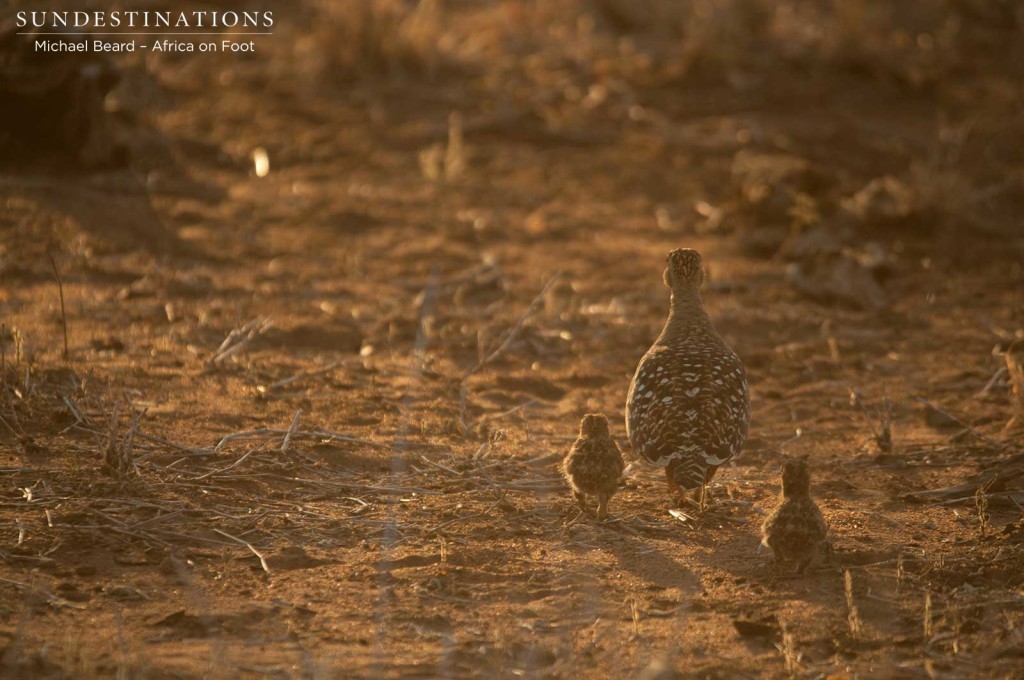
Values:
[(594, 464), (795, 530)]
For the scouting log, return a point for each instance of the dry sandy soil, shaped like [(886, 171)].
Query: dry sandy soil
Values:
[(855, 184)]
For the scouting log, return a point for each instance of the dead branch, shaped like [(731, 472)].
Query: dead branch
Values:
[(273, 433), (237, 340), (257, 553), (516, 329)]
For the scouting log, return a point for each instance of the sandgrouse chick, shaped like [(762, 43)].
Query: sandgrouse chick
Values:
[(795, 530), (688, 407), (594, 464)]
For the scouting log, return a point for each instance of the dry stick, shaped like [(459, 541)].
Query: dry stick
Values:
[(128, 443), (63, 314), (291, 431), (110, 453), (883, 435), (1000, 372), (511, 412), (50, 597), (999, 445), (238, 339), (271, 432), (80, 418), (8, 426), (230, 467), (927, 629), (267, 389), (158, 518), (257, 553), (463, 403), (176, 446), (516, 329), (854, 615), (439, 466)]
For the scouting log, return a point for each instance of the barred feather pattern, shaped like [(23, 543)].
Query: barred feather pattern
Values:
[(688, 406)]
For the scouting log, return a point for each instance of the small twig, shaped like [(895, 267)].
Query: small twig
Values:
[(439, 466), (1000, 372), (271, 432), (291, 431), (681, 516), (883, 434), (265, 390), (50, 597), (463, 404), (63, 313), (981, 503), (176, 446), (927, 628), (257, 553), (505, 414), (238, 339), (80, 418), (230, 467), (549, 484), (854, 615), (516, 329), (999, 445)]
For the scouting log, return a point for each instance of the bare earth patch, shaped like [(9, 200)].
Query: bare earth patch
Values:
[(310, 423)]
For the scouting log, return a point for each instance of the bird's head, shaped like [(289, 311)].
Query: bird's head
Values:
[(796, 477), (594, 425), (684, 270)]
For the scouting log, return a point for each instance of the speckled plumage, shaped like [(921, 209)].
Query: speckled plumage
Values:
[(594, 464), (795, 530), (688, 408)]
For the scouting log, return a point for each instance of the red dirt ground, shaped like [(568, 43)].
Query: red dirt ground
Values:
[(434, 537)]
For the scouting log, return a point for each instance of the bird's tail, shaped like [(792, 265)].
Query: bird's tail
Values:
[(690, 473)]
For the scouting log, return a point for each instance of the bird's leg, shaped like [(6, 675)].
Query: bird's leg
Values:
[(672, 486), (581, 499), (602, 505), (703, 497), (677, 492)]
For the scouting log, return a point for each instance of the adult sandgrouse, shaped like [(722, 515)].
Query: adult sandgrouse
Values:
[(795, 529), (594, 464), (688, 407)]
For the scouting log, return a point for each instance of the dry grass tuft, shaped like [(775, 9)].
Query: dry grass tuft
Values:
[(981, 504), (853, 617), (927, 629), (878, 419), (119, 454)]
